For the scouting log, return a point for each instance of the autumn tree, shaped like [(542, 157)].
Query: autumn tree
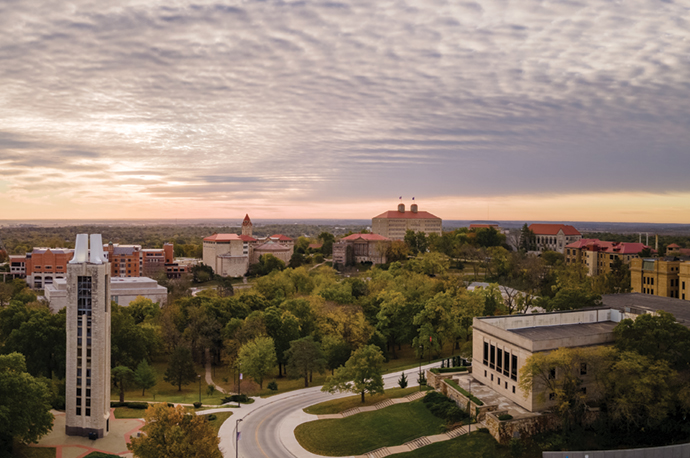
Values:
[(257, 358), (304, 357), (361, 374), (171, 432)]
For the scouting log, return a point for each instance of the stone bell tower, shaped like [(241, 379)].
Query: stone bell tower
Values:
[(87, 385), (247, 226)]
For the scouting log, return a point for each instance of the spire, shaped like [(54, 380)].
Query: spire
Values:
[(247, 226), (247, 221)]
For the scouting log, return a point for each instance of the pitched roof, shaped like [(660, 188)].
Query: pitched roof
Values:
[(247, 221), (222, 238), (552, 229), (271, 246), (247, 238), (673, 245), (367, 237), (281, 237), (393, 214), (608, 247)]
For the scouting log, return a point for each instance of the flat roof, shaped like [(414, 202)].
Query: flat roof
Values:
[(565, 331), (638, 302)]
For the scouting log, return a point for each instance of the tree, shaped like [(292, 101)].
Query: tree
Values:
[(304, 357), (397, 251), (402, 381), (143, 308), (361, 373), (393, 318), (173, 433), (416, 241), (121, 375), (327, 239), (24, 404), (440, 314), (528, 241), (336, 350), (489, 237), (145, 376), (283, 327), (257, 357), (180, 368)]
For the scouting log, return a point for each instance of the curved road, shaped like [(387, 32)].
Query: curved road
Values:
[(267, 427)]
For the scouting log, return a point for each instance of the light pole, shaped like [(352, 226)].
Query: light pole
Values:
[(199, 377), (237, 437), (469, 426), (421, 356)]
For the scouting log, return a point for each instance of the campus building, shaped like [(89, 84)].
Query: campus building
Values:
[(122, 291), (87, 382), (554, 237), (598, 256), (361, 248), (230, 255), (665, 277), (45, 265), (394, 224)]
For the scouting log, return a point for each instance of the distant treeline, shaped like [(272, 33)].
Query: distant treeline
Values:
[(19, 240)]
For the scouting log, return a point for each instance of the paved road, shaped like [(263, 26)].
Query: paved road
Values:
[(267, 425)]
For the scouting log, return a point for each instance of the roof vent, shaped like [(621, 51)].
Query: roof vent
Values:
[(413, 208), (401, 208)]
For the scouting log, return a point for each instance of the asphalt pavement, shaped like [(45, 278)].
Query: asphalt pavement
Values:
[(267, 426)]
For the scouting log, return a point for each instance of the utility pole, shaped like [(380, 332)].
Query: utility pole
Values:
[(421, 356), (237, 437)]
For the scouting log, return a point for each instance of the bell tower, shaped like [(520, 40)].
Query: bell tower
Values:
[(87, 384), (247, 226)]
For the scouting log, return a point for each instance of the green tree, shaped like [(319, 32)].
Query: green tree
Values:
[(130, 342), (392, 320), (440, 314), (121, 375), (24, 404), (143, 308), (283, 328), (180, 368), (528, 241), (304, 357), (257, 358), (171, 432), (336, 350), (402, 381), (489, 237), (327, 239), (361, 373), (397, 251), (145, 376)]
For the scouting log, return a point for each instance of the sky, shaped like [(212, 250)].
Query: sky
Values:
[(573, 110)]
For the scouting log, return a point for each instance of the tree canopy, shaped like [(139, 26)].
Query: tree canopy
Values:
[(361, 373)]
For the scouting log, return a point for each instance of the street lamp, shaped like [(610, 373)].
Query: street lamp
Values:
[(421, 356), (199, 377), (469, 426), (237, 437)]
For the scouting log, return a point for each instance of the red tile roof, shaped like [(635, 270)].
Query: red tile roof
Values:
[(281, 237), (222, 238), (271, 246), (392, 214), (315, 246), (246, 221), (367, 237), (552, 229), (247, 238), (608, 247), (673, 245)]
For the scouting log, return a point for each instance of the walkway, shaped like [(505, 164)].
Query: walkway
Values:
[(209, 378)]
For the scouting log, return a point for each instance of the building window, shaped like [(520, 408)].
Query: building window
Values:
[(492, 377), (583, 368), (78, 391), (552, 374), (84, 296), (492, 357), (499, 360), (513, 367), (79, 401), (506, 384), (486, 353), (506, 362), (552, 396), (88, 412), (78, 410), (513, 388), (584, 390)]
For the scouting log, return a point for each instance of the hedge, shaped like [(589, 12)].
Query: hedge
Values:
[(465, 392), (505, 417), (236, 398), (445, 370), (131, 405)]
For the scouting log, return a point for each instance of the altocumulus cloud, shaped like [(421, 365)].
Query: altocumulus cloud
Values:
[(321, 99)]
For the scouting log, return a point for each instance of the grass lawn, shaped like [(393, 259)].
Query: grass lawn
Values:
[(24, 451), (220, 418), (165, 392), (474, 445), (364, 432), (126, 412), (339, 405)]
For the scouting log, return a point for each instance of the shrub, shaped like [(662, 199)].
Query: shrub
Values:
[(211, 417), (137, 405), (243, 398), (170, 404), (318, 258), (197, 405), (101, 455), (118, 404), (273, 386), (505, 417), (442, 407), (445, 370)]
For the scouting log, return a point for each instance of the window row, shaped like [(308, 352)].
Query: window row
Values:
[(500, 360)]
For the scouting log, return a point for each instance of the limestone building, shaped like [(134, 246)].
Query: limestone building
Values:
[(361, 248), (394, 224), (598, 256), (87, 383), (554, 237), (665, 277)]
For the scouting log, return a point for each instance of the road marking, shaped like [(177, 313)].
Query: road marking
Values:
[(256, 437)]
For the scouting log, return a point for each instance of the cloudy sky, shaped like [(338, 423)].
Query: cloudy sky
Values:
[(545, 110)]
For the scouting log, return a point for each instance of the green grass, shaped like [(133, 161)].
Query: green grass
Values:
[(474, 445), (126, 412), (101, 455), (364, 432), (339, 405), (220, 418), (24, 451)]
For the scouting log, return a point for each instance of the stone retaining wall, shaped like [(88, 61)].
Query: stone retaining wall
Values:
[(504, 431), (461, 400)]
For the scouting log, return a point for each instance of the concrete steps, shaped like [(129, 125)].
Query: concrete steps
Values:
[(417, 443), (379, 453)]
